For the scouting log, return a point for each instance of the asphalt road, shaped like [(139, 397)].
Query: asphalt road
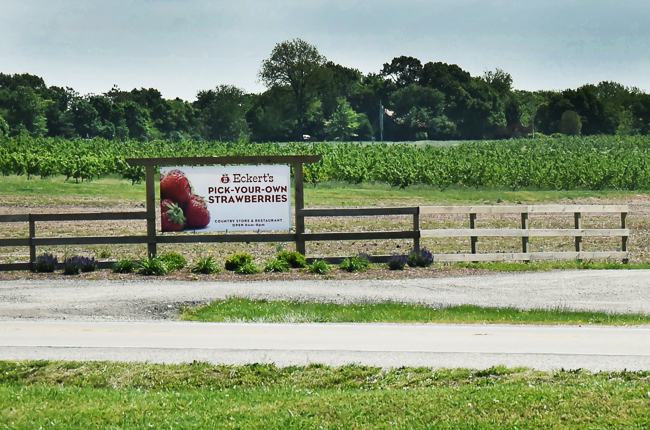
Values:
[(385, 345)]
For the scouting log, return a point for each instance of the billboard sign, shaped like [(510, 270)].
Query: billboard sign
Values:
[(225, 198)]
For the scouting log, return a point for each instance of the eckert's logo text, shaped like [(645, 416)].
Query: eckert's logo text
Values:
[(237, 178)]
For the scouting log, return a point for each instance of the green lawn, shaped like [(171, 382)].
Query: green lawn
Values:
[(111, 188), (238, 309), (141, 396)]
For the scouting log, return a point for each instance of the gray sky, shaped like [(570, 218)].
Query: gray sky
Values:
[(182, 46)]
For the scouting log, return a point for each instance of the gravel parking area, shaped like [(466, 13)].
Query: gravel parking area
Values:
[(616, 291)]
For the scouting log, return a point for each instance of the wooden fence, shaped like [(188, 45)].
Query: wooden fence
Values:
[(300, 237)]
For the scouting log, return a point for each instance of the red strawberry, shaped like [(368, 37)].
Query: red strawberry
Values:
[(172, 216), (197, 212), (175, 186)]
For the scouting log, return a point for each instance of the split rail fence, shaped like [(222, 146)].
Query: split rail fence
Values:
[(300, 237)]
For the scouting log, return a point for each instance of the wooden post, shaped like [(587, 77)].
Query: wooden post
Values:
[(416, 229), (624, 238), (300, 204), (32, 248), (524, 240), (473, 239), (151, 211), (578, 225)]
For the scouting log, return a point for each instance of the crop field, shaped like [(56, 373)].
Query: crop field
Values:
[(594, 163)]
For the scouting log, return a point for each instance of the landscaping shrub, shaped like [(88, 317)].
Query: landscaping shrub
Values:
[(236, 261), (125, 265), (277, 265), (206, 265), (173, 261), (153, 267), (358, 263), (76, 264), (397, 262), (295, 259), (320, 267), (248, 268), (421, 258), (46, 263)]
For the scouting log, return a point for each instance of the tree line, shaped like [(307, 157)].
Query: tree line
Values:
[(309, 97)]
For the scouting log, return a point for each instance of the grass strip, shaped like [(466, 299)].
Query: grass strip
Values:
[(76, 395), (237, 309), (546, 266)]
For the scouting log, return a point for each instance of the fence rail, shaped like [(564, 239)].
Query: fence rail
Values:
[(415, 233)]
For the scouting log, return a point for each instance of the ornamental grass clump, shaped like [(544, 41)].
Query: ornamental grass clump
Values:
[(358, 263), (421, 258), (153, 267), (249, 268), (206, 266), (276, 265), (236, 261), (173, 261), (320, 267), (295, 259), (45, 263), (76, 264), (397, 262), (125, 265)]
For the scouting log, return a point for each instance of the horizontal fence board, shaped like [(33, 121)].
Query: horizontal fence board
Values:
[(366, 235), (15, 242), (519, 209), (512, 232), (248, 159), (225, 238), (379, 259), (531, 256), (5, 267), (14, 218), (358, 212), (90, 216), (89, 240)]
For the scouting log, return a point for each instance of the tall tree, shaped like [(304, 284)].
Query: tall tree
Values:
[(296, 64)]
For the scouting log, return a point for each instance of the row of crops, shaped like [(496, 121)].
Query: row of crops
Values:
[(551, 163)]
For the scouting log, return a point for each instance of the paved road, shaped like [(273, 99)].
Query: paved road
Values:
[(623, 291), (386, 345)]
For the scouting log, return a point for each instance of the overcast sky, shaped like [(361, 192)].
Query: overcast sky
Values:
[(182, 46)]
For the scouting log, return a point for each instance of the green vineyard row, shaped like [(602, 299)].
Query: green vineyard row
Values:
[(595, 163)]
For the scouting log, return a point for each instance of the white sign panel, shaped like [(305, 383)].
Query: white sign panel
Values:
[(220, 198)]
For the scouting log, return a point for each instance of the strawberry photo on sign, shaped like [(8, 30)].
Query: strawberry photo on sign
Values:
[(181, 209)]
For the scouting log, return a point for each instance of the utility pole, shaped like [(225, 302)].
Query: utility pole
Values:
[(381, 122)]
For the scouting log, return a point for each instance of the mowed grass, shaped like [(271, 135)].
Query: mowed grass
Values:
[(236, 309), (545, 266), (107, 189), (141, 396)]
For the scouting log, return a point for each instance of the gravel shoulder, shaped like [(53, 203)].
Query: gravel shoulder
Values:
[(614, 291)]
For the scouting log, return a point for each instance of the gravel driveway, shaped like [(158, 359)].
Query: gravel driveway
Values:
[(616, 291)]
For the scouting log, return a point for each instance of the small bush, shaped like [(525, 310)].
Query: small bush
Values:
[(105, 253), (125, 265), (320, 267), (152, 267), (206, 265), (237, 261), (76, 264), (46, 263), (421, 258), (397, 262), (295, 259), (359, 263), (249, 268), (277, 265), (173, 261)]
